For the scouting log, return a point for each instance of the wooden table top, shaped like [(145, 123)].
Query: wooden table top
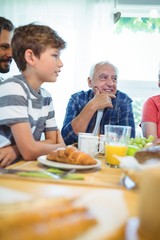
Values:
[(100, 191), (103, 177)]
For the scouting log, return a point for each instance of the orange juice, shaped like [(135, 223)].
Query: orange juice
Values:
[(110, 150)]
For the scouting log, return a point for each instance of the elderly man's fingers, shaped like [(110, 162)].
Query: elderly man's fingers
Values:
[(111, 95), (96, 90), (108, 99)]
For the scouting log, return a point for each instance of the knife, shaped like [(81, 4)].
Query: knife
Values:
[(128, 183), (43, 173)]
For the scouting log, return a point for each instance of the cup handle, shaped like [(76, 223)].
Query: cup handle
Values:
[(101, 147)]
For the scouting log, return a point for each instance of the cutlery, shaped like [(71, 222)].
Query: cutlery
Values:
[(128, 183), (42, 173), (59, 175), (35, 173), (4, 170)]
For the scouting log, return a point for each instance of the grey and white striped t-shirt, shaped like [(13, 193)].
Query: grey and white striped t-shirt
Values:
[(20, 103)]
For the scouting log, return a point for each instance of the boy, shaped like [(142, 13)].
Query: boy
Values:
[(26, 109)]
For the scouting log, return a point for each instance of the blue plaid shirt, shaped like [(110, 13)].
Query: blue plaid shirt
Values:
[(120, 114)]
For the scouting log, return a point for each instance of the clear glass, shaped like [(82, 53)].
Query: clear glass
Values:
[(116, 143)]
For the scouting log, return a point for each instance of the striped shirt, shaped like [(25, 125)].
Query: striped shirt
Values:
[(120, 114), (20, 103)]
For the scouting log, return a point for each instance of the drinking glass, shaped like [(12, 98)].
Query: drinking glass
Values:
[(116, 143)]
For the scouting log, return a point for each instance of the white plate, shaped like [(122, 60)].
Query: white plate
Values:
[(43, 160)]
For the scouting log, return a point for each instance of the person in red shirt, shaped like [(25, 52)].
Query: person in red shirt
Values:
[(150, 122)]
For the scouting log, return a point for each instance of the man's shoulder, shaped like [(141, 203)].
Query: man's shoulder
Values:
[(153, 100), (82, 93), (155, 97), (15, 78), (122, 95)]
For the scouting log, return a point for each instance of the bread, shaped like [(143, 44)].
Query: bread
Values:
[(49, 220), (148, 153), (119, 234), (70, 149), (71, 155)]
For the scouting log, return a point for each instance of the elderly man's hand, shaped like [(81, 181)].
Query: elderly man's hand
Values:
[(102, 100)]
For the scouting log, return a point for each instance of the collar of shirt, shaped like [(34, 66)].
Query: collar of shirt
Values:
[(1, 80)]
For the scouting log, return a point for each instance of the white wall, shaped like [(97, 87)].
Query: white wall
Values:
[(87, 28)]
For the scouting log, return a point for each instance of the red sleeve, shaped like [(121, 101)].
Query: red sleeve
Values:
[(150, 110)]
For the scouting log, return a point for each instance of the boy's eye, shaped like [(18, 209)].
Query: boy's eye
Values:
[(56, 56)]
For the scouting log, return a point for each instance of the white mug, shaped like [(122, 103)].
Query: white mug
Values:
[(89, 144)]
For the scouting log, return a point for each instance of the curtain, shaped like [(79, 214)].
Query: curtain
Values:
[(86, 26)]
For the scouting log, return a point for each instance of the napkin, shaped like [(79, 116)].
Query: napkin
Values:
[(96, 129)]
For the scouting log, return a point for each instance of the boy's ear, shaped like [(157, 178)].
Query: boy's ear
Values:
[(29, 56)]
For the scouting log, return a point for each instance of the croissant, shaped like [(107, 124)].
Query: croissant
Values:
[(44, 219), (71, 155)]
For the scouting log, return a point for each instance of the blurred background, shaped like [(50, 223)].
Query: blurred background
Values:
[(125, 32)]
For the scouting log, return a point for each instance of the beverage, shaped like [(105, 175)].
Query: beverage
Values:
[(116, 143), (111, 150)]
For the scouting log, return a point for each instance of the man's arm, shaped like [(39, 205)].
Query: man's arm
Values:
[(149, 128), (28, 147), (100, 101), (10, 153), (54, 137), (78, 122)]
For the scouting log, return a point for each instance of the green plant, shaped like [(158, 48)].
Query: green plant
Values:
[(136, 24), (137, 109)]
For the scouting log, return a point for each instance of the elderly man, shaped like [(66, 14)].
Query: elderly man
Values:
[(6, 30), (88, 111)]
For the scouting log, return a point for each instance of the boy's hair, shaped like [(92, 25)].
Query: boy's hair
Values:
[(35, 37), (6, 24)]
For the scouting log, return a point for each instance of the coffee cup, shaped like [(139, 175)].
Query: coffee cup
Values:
[(89, 144)]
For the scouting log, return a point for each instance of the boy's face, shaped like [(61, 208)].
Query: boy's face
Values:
[(104, 78), (48, 65), (5, 51)]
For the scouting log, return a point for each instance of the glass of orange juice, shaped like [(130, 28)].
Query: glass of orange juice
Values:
[(116, 141)]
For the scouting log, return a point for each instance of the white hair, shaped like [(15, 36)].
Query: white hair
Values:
[(92, 70)]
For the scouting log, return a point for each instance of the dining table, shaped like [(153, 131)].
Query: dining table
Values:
[(99, 189)]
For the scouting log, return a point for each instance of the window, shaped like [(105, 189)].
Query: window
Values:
[(137, 55), (87, 27)]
